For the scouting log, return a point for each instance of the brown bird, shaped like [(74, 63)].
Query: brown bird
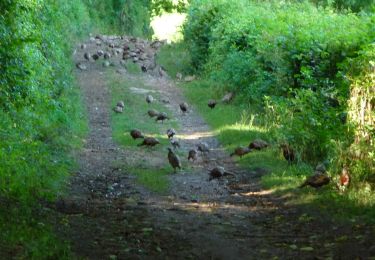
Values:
[(174, 160), (193, 155), (107, 55), (149, 99), (135, 133), (149, 141), (184, 107), (170, 133), (87, 56), (344, 180), (203, 147), (317, 180), (211, 103), (121, 104), (241, 151), (95, 56), (288, 153), (161, 117), (118, 109), (175, 143), (258, 144), (218, 172), (152, 113)]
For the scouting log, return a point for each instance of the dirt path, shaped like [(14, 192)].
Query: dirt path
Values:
[(107, 215)]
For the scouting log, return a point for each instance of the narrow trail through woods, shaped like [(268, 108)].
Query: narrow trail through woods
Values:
[(108, 215)]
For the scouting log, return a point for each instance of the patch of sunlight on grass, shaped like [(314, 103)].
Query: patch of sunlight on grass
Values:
[(154, 179), (168, 26)]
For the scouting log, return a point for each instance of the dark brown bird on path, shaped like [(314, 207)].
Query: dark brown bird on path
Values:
[(174, 160), (135, 133), (161, 117), (193, 155), (175, 143), (170, 133), (152, 113), (317, 180), (118, 109), (211, 103), (219, 172), (258, 144), (121, 104), (87, 56), (203, 147), (95, 56), (241, 151), (144, 68), (149, 99), (107, 55), (288, 153), (184, 107), (149, 141)]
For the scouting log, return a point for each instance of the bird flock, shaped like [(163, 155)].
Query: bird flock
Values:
[(142, 53)]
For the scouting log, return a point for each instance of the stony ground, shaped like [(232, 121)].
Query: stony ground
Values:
[(107, 215)]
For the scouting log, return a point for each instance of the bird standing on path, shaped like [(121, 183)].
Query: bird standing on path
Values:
[(135, 133), (184, 107), (170, 133), (241, 151), (212, 103), (175, 143), (193, 155), (203, 147), (149, 141), (152, 113), (174, 160), (149, 99), (218, 172), (118, 109), (161, 117)]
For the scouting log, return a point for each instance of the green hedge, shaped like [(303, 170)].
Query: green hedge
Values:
[(290, 57)]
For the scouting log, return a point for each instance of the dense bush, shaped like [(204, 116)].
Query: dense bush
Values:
[(291, 55), (40, 115)]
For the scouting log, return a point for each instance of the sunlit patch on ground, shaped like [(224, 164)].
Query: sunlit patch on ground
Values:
[(168, 27)]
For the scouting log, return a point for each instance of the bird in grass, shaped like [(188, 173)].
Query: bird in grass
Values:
[(152, 113), (161, 117), (149, 99), (184, 107), (288, 153), (203, 147), (258, 144), (170, 133), (344, 179), (149, 141), (174, 160), (218, 172), (212, 103), (227, 98), (193, 155), (317, 180), (118, 109), (175, 143), (121, 104), (135, 133), (241, 151)]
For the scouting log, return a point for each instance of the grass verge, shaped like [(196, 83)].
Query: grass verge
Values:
[(238, 123)]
